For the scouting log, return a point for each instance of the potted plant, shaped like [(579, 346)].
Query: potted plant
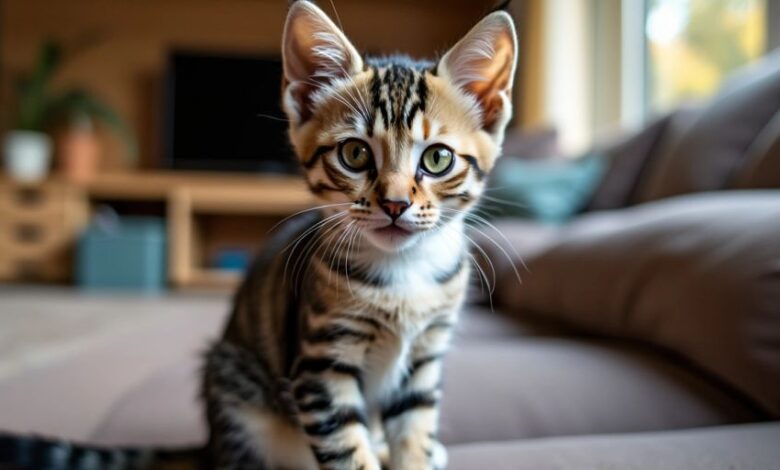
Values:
[(28, 147)]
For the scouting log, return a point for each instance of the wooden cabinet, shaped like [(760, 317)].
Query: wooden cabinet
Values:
[(199, 214), (39, 224)]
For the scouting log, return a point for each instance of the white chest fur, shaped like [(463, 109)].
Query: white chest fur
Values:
[(414, 295), (386, 365), (406, 313)]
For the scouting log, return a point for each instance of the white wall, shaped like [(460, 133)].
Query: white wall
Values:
[(773, 12), (633, 64), (594, 69), (567, 73)]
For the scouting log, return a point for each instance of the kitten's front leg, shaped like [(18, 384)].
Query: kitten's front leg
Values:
[(411, 418), (411, 425), (331, 408)]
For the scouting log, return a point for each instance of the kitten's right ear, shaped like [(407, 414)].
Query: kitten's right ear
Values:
[(483, 65), (315, 53)]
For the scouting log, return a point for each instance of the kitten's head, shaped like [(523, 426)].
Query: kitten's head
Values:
[(404, 147)]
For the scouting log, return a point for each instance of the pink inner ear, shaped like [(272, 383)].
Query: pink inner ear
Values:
[(496, 74), (301, 94), (315, 53)]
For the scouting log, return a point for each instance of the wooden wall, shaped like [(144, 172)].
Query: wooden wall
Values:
[(126, 66)]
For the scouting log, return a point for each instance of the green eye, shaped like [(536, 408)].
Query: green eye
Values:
[(355, 155), (437, 160)]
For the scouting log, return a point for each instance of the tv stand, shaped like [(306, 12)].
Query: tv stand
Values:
[(204, 211)]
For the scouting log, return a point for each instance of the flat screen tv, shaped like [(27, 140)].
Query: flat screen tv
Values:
[(222, 112)]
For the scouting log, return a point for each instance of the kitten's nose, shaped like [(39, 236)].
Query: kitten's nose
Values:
[(394, 208)]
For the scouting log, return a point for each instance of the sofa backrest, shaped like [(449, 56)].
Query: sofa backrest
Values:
[(708, 155), (632, 159), (697, 275), (732, 142), (762, 162)]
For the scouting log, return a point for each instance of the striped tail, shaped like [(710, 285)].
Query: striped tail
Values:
[(34, 453)]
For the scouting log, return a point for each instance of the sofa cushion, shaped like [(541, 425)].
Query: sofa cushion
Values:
[(70, 397), (162, 411), (550, 191), (527, 386), (164, 408), (724, 448), (499, 246), (626, 160), (762, 162), (708, 155), (479, 324), (698, 275), (553, 386)]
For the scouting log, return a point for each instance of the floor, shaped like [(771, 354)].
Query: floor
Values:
[(40, 325)]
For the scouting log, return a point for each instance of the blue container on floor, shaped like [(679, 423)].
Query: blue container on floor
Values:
[(127, 253)]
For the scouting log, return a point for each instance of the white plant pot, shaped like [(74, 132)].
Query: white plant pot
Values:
[(27, 155)]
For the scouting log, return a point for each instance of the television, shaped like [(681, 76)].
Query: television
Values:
[(223, 112)]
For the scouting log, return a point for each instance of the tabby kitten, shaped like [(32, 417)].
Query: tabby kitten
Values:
[(332, 356)]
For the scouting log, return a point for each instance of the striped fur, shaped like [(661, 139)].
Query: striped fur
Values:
[(34, 453), (332, 356)]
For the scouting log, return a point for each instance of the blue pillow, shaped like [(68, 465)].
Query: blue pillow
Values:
[(548, 191)]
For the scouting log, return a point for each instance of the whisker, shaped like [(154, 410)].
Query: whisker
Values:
[(504, 202), (335, 12), (311, 229), (506, 240), (316, 248), (273, 118), (490, 286), (335, 251), (506, 255), (294, 244), (486, 222), (325, 233), (346, 256), (356, 233), (491, 240), (324, 206)]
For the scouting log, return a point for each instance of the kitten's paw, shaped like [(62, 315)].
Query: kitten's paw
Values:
[(438, 456), (365, 459), (382, 451), (432, 456)]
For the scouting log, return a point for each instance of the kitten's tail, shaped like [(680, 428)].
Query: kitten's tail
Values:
[(33, 453)]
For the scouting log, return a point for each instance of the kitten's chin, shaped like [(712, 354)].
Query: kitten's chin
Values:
[(391, 238)]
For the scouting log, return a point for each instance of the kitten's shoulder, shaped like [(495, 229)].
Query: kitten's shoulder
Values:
[(281, 240)]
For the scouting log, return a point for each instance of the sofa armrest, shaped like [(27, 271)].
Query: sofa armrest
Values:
[(697, 275)]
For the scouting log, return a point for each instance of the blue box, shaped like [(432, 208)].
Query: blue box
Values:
[(128, 254)]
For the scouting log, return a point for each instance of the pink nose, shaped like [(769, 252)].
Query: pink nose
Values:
[(394, 208)]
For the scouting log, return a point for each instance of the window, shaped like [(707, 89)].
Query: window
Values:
[(692, 45)]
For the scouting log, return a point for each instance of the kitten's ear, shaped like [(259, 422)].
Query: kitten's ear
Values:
[(483, 64), (315, 52)]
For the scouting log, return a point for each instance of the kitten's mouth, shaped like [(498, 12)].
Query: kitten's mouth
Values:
[(392, 237), (392, 231)]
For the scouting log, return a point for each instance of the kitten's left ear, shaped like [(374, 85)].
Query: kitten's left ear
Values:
[(315, 52), (483, 65)]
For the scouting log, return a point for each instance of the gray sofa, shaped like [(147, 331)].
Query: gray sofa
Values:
[(645, 333), (519, 395)]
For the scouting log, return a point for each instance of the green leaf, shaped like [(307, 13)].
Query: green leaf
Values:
[(38, 108), (63, 106), (32, 90)]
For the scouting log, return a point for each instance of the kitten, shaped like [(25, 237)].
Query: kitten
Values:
[(332, 356)]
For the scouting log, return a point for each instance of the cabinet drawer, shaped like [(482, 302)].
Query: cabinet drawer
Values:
[(30, 235), (6, 269), (30, 268), (32, 200)]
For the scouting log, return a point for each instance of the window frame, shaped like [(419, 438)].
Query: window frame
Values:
[(636, 106)]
